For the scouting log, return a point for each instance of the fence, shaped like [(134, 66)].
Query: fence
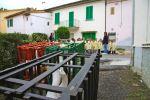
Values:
[(82, 85)]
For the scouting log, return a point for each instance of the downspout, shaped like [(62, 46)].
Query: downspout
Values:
[(133, 24), (147, 23), (105, 14)]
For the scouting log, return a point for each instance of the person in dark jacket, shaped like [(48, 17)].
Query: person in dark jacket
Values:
[(51, 37), (105, 42)]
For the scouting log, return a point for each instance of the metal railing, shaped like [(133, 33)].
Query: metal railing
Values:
[(82, 74), (65, 23)]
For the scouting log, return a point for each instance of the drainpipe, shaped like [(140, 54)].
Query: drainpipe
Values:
[(133, 23), (147, 23), (105, 14)]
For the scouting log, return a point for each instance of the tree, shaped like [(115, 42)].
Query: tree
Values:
[(63, 33), (2, 9)]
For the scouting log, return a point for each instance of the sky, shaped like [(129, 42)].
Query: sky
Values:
[(39, 4)]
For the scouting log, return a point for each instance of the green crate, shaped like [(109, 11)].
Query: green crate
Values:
[(51, 49)]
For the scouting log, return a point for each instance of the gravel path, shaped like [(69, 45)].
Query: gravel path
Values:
[(118, 82), (110, 86)]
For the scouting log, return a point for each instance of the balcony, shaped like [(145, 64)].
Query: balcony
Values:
[(72, 25)]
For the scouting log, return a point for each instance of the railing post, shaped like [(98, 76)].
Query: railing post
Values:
[(93, 82), (86, 89), (89, 85), (80, 92), (8, 95)]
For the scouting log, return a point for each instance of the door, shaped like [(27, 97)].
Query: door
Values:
[(71, 19), (89, 35)]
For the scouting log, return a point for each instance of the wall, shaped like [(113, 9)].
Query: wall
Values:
[(141, 25), (97, 24), (36, 22), (120, 22), (3, 21), (138, 60), (146, 66), (142, 36), (18, 25)]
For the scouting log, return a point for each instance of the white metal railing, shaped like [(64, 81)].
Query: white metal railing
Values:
[(66, 23)]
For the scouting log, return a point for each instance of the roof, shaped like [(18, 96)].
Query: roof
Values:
[(72, 4), (79, 3), (25, 12), (11, 10), (114, 1)]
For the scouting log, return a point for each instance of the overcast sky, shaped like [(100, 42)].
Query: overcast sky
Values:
[(39, 4)]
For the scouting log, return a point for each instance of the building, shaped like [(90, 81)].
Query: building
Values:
[(119, 21), (29, 21), (141, 41), (3, 21), (87, 19)]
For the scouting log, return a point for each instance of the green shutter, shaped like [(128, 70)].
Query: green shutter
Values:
[(7, 22), (89, 13), (57, 18), (11, 22), (71, 19)]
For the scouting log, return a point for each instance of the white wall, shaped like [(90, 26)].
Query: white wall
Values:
[(141, 25), (97, 24), (120, 22), (142, 36), (37, 22), (18, 25)]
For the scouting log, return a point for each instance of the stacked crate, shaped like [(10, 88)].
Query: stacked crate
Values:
[(28, 52), (31, 51)]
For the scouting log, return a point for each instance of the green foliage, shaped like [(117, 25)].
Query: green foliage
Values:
[(63, 33), (38, 37), (8, 48), (9, 43)]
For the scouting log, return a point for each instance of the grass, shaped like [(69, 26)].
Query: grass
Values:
[(136, 87)]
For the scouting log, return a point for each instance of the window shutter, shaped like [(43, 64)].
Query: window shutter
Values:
[(11, 22), (89, 12), (57, 18), (71, 19), (8, 23)]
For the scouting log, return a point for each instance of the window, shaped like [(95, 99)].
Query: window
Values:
[(47, 23), (112, 10), (57, 19), (27, 18), (10, 23), (89, 13), (71, 19)]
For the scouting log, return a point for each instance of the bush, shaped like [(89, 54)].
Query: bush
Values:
[(63, 33), (38, 37), (8, 48)]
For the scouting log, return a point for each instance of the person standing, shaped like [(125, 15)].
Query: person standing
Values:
[(51, 37), (105, 42)]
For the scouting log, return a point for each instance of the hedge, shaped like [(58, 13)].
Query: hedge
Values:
[(38, 37), (8, 50)]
